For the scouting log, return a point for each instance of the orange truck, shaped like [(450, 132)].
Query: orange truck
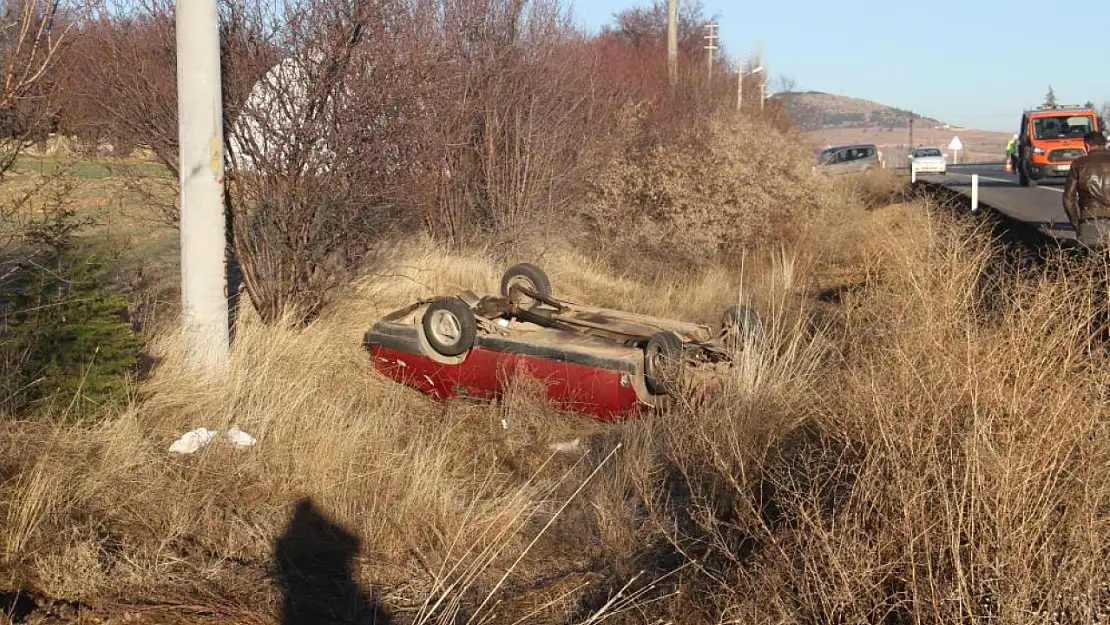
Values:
[(1050, 138)]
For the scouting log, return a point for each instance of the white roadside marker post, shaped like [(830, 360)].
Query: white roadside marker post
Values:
[(974, 193)]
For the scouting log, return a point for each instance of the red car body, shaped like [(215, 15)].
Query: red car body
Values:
[(607, 363), (582, 374)]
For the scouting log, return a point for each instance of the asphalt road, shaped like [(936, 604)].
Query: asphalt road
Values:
[(1038, 206)]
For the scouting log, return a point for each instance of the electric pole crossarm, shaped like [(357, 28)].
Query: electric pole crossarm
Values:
[(710, 47)]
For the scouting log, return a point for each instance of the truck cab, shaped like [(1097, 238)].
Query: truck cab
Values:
[(1050, 138)]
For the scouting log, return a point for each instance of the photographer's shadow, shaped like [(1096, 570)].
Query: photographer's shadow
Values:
[(315, 570)]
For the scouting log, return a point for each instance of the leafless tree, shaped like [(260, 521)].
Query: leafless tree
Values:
[(511, 121), (32, 35), (643, 26), (319, 151), (120, 79)]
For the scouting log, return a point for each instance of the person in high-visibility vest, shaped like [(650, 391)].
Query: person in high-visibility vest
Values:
[(1011, 152)]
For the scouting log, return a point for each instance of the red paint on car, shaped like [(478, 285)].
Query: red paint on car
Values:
[(603, 393)]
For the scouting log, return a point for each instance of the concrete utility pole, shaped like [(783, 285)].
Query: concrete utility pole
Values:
[(739, 82), (711, 37), (200, 136), (672, 42)]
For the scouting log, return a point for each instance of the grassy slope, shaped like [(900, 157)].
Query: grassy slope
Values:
[(895, 452)]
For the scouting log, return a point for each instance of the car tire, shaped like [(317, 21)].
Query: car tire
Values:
[(528, 276), (662, 354), (449, 326)]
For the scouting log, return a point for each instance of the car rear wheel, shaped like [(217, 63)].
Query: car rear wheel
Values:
[(662, 358), (450, 326), (528, 276)]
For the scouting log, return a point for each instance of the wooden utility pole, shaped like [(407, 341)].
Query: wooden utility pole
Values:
[(710, 48), (672, 42)]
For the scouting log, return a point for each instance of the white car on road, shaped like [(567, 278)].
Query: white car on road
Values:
[(929, 160)]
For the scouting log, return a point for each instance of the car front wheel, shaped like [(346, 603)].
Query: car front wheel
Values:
[(450, 326)]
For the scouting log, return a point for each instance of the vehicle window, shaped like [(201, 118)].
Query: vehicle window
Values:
[(868, 152), (1062, 126), (927, 152)]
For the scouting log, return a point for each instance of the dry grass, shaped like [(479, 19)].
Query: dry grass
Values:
[(952, 468), (909, 442), (477, 480)]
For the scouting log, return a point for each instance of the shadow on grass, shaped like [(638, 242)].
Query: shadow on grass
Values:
[(315, 571)]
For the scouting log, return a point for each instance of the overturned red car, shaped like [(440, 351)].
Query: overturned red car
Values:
[(598, 361)]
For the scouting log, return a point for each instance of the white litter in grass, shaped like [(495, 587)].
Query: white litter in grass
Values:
[(568, 447), (194, 440), (191, 442), (239, 438)]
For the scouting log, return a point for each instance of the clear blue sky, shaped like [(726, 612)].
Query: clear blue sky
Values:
[(954, 60)]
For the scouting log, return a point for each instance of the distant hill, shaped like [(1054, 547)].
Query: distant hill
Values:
[(815, 110)]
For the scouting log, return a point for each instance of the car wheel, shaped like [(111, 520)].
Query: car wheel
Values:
[(528, 276), (662, 356), (450, 326), (742, 321)]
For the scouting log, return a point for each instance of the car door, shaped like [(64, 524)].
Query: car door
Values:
[(841, 162), (865, 159)]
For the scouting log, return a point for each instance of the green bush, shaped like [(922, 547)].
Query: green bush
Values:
[(64, 339)]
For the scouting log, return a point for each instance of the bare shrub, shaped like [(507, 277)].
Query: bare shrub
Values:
[(746, 186), (875, 189), (121, 82), (33, 37), (320, 152), (509, 121)]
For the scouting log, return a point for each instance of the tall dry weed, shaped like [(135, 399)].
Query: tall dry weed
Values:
[(950, 469)]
